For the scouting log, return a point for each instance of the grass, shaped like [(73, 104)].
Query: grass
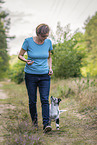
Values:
[(78, 124)]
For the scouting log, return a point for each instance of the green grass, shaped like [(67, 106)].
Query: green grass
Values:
[(77, 125)]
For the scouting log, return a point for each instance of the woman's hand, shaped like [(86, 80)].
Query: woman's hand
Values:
[(29, 62), (50, 72)]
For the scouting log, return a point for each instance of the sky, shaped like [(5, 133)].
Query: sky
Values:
[(27, 14)]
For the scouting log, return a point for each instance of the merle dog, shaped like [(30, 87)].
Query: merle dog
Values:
[(54, 110)]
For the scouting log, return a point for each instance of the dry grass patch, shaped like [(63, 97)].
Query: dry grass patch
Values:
[(77, 125)]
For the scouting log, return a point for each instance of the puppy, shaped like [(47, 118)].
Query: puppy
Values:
[(54, 110)]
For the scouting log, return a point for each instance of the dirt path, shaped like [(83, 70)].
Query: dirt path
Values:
[(3, 108), (75, 128)]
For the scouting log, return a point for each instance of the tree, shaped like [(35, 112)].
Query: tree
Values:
[(68, 53), (90, 35), (4, 27), (91, 32)]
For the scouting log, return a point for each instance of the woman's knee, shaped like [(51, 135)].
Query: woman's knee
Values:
[(44, 101)]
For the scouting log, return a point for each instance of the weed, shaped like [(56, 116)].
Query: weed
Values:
[(77, 124)]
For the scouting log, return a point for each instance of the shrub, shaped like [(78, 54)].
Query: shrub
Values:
[(67, 60), (17, 72)]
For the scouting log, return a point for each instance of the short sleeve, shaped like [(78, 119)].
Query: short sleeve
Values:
[(50, 48), (25, 45)]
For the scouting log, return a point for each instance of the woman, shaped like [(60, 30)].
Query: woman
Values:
[(37, 72)]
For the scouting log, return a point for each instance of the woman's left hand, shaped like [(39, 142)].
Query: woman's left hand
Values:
[(50, 72)]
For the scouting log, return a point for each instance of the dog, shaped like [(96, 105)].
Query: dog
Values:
[(54, 110)]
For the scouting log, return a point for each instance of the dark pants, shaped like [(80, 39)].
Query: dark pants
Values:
[(43, 82)]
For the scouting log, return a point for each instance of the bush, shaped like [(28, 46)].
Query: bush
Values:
[(17, 72), (67, 59)]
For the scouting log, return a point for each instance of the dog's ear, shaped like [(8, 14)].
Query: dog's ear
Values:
[(59, 100), (51, 97)]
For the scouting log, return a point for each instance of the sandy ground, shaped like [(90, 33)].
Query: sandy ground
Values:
[(3, 108)]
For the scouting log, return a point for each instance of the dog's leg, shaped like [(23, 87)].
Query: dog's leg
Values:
[(57, 123)]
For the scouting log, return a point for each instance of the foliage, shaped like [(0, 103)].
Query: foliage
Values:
[(4, 27), (91, 43), (90, 32), (68, 53), (17, 72)]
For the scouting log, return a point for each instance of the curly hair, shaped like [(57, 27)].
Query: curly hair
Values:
[(42, 29)]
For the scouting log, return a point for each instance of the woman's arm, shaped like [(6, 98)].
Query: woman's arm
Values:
[(50, 64), (21, 57)]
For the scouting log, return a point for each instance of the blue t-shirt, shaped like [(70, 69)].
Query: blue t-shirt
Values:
[(38, 53)]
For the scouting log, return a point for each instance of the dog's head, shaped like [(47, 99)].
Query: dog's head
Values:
[(55, 101)]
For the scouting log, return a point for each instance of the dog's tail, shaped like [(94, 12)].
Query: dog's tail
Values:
[(61, 111)]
